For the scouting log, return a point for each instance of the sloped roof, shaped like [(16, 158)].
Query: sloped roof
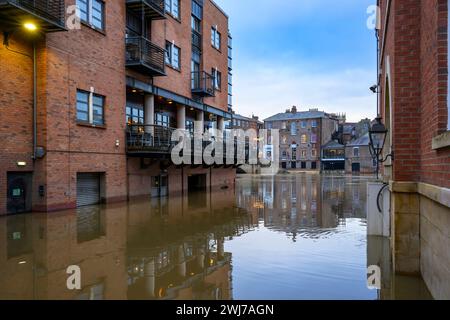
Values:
[(241, 117), (333, 145), (297, 115), (361, 141)]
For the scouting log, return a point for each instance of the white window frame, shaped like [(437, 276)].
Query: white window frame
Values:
[(173, 10), (170, 58), (89, 20), (216, 36), (356, 152), (91, 94)]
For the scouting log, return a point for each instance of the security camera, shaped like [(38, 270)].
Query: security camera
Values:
[(374, 88)]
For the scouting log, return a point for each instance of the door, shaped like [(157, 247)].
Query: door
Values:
[(18, 192), (313, 165), (88, 189), (294, 164), (356, 167), (160, 186)]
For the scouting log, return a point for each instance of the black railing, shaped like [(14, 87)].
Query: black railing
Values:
[(202, 83), (149, 138), (145, 55), (156, 141), (50, 10), (152, 8), (196, 40)]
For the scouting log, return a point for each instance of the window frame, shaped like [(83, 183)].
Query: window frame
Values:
[(91, 115), (217, 79), (169, 8), (169, 56), (216, 36), (89, 14)]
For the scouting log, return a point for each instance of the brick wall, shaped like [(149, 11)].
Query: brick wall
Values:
[(415, 51)]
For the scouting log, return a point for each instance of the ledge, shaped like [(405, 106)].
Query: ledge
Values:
[(438, 194), (441, 141)]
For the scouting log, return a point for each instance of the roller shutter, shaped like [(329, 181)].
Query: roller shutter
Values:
[(88, 189)]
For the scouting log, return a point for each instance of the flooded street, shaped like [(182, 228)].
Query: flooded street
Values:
[(297, 236)]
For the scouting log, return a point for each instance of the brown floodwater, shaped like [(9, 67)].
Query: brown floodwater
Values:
[(299, 236)]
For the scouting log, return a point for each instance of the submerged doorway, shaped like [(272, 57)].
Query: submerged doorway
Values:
[(160, 186), (197, 190), (18, 192)]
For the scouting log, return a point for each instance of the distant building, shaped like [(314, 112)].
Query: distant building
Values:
[(357, 156), (333, 156), (302, 133)]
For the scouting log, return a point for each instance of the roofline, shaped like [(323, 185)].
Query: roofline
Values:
[(219, 8)]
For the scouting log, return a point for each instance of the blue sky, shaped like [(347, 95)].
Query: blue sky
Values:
[(308, 53)]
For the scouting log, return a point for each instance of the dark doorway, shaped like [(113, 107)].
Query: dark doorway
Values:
[(283, 165), (303, 165), (18, 192), (334, 165), (197, 190), (160, 186), (314, 165), (294, 164), (356, 167)]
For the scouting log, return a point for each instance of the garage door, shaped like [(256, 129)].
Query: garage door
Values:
[(88, 189)]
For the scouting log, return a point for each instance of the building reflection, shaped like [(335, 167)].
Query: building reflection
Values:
[(150, 249), (305, 205)]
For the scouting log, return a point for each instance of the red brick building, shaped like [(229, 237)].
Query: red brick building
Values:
[(413, 95), (92, 122)]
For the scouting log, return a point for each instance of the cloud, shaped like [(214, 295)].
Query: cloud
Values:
[(263, 89)]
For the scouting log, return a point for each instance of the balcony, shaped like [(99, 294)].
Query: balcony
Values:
[(202, 84), (48, 15), (144, 56), (149, 140), (152, 9)]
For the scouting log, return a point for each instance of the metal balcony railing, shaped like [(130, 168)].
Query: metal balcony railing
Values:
[(202, 84), (153, 9), (146, 57), (149, 138), (50, 13)]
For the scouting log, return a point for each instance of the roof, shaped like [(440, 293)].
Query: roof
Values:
[(297, 115), (348, 128), (361, 141), (333, 145), (241, 117)]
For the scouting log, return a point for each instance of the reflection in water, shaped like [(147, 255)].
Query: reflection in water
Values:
[(284, 237)]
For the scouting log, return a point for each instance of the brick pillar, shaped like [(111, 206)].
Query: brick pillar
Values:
[(200, 118)]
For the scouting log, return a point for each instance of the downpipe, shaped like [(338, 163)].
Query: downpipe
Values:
[(34, 102)]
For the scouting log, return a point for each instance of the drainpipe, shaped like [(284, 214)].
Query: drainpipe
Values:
[(34, 101)]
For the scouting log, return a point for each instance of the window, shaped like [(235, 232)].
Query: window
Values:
[(284, 139), (134, 114), (356, 152), (90, 107), (283, 125), (303, 154), (313, 138), (197, 10), (304, 124), (215, 38), (313, 153), (172, 55), (314, 124), (304, 139), (294, 154), (173, 8), (269, 125), (162, 120), (92, 12), (217, 79), (293, 128), (190, 127), (284, 155), (196, 24)]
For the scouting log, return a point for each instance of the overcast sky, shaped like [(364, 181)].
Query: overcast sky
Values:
[(308, 53)]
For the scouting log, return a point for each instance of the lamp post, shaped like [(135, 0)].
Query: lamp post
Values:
[(377, 136)]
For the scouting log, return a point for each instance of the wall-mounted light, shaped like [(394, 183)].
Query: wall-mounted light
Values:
[(117, 143), (21, 163), (30, 26)]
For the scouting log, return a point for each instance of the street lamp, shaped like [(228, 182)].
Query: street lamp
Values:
[(377, 136)]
